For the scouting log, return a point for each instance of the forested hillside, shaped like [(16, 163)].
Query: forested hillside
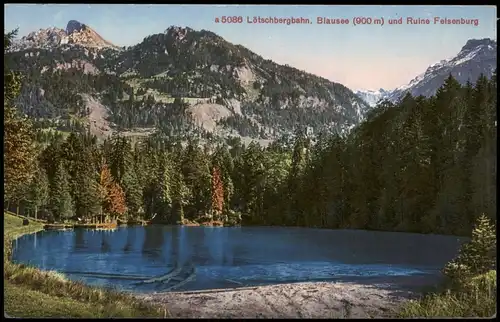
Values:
[(181, 82), (422, 165)]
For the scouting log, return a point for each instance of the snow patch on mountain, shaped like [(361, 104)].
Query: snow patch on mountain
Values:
[(477, 57), (372, 97)]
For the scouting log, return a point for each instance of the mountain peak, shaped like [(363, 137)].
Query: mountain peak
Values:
[(84, 35), (74, 25), (178, 32), (474, 43), (477, 56)]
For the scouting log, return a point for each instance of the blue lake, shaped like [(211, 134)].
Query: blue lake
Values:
[(196, 258)]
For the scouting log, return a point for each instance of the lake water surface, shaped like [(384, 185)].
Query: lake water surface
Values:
[(210, 257)]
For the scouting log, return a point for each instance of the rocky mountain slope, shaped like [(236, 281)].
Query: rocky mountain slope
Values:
[(476, 56), (180, 81), (76, 33)]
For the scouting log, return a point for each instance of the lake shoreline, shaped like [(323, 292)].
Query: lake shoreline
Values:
[(31, 292), (333, 289), (374, 297)]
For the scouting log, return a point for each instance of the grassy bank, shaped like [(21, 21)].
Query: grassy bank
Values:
[(30, 292), (471, 288), (478, 299)]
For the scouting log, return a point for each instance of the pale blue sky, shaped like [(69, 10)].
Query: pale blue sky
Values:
[(359, 56)]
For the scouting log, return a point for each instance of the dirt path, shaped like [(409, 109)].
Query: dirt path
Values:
[(377, 298)]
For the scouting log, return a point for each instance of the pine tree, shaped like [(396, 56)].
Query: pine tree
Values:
[(476, 257), (180, 195), (72, 151), (51, 157), (87, 191), (277, 167), (251, 182), (119, 157), (299, 162), (164, 186), (196, 172), (133, 192), (60, 202), (38, 192)]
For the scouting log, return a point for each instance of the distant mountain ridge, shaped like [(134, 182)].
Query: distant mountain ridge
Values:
[(76, 33), (477, 56), (210, 83)]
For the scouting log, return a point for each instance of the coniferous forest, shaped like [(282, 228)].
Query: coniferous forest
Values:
[(421, 165)]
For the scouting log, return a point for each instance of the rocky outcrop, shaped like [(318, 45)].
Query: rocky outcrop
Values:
[(74, 26), (82, 34)]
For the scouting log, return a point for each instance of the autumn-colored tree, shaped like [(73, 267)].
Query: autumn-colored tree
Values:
[(223, 160), (112, 194), (217, 192)]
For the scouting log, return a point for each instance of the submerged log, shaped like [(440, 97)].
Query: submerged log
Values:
[(188, 279), (176, 271)]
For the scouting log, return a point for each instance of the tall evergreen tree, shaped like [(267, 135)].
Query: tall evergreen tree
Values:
[(87, 191), (60, 201), (133, 192), (38, 191), (196, 171)]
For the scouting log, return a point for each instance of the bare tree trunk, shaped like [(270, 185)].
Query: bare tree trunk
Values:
[(36, 212)]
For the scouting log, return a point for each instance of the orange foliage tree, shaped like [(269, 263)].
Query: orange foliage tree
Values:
[(112, 194), (217, 191)]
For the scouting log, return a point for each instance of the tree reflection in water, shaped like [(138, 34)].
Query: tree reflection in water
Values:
[(167, 245), (185, 251), (153, 242), (129, 243), (105, 245), (79, 239), (216, 242), (248, 255)]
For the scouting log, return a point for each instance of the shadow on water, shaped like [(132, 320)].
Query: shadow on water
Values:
[(234, 257)]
